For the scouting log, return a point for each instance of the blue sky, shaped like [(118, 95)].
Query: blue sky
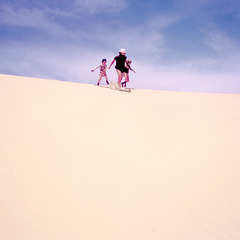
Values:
[(177, 45)]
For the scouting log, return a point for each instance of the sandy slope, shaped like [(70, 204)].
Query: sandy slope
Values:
[(80, 162)]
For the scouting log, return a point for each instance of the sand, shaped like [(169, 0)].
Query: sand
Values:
[(81, 162)]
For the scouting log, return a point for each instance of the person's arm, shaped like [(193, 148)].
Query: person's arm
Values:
[(132, 70), (95, 68), (130, 67), (111, 63)]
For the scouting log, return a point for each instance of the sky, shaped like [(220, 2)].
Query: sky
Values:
[(174, 45)]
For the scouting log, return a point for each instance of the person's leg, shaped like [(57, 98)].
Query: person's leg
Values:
[(99, 80), (126, 79), (106, 79), (120, 76)]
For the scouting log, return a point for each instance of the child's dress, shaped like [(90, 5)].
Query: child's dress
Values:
[(103, 71)]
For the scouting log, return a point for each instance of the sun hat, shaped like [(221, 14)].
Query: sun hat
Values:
[(122, 50)]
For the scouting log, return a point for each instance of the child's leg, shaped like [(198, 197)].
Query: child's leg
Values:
[(99, 80), (107, 80)]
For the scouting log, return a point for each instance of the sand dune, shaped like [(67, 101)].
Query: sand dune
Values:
[(80, 162)]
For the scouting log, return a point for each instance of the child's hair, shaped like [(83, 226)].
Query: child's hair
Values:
[(104, 60)]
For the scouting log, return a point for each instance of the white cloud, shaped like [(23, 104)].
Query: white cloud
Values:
[(197, 3), (96, 6), (33, 18), (22, 16), (144, 40), (210, 9), (220, 42), (163, 21), (187, 77)]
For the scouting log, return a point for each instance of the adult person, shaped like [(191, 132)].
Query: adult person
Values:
[(120, 65)]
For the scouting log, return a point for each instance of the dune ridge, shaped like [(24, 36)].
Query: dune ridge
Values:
[(79, 161)]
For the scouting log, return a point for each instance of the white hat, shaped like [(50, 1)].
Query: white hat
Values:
[(122, 50)]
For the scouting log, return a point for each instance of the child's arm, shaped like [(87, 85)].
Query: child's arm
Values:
[(130, 67), (95, 68), (132, 70)]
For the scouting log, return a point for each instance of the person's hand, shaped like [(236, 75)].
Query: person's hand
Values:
[(109, 67)]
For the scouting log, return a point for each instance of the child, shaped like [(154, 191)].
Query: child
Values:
[(127, 66), (102, 73)]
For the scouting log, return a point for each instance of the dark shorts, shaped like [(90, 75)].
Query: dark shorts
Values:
[(123, 70)]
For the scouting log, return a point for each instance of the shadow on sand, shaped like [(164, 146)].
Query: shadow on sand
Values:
[(123, 89)]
